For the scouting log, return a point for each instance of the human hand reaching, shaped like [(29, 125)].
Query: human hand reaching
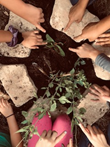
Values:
[(5, 108), (95, 136), (49, 139), (35, 16), (101, 94), (90, 32), (103, 39), (75, 15), (32, 39), (86, 51)]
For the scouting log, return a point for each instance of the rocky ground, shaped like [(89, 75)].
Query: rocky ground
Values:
[(49, 60)]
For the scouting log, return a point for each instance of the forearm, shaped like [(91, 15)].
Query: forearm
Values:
[(14, 6), (103, 25), (83, 3), (13, 127), (5, 36)]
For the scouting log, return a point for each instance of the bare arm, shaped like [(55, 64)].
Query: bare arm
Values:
[(32, 14), (5, 36), (13, 127)]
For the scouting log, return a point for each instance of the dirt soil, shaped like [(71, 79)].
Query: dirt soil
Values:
[(49, 60)]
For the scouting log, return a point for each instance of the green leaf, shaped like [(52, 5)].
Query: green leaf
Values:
[(72, 71), (68, 95), (24, 122), (51, 85), (82, 111), (43, 88), (63, 100), (70, 109), (41, 115), (24, 113), (53, 106), (60, 89), (48, 93), (49, 39), (83, 62), (59, 50)]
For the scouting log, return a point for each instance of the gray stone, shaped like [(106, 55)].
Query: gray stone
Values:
[(94, 110), (59, 19), (19, 50), (17, 83), (100, 72)]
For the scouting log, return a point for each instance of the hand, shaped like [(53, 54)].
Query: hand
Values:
[(35, 16), (90, 32), (101, 93), (49, 139), (95, 136), (5, 108), (70, 143), (103, 39), (86, 51), (32, 39), (75, 15)]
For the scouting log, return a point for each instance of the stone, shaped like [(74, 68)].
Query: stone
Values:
[(94, 110), (19, 50), (17, 83), (59, 19), (100, 72)]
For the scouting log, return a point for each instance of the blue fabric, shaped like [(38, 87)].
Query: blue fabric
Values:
[(75, 1), (5, 140)]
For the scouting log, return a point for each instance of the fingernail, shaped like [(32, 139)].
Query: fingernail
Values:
[(65, 132)]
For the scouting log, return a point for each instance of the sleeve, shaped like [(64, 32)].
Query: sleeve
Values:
[(103, 61)]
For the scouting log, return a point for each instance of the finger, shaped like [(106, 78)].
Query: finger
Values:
[(70, 143), (94, 91), (41, 43), (49, 134), (102, 39), (40, 28), (91, 130), (84, 130), (36, 32), (95, 130), (106, 88), (60, 137), (73, 50), (42, 20), (44, 134), (94, 95), (3, 103), (105, 35), (39, 36), (67, 26), (99, 89), (54, 135), (34, 47), (103, 43)]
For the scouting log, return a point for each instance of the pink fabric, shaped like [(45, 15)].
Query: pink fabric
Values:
[(61, 124)]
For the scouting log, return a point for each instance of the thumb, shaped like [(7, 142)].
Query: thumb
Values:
[(40, 28), (79, 38), (73, 50), (67, 26), (60, 137)]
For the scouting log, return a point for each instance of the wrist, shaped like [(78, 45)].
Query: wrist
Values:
[(94, 54), (83, 3)]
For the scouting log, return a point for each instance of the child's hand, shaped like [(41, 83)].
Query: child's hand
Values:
[(5, 108), (35, 16), (49, 139), (32, 39)]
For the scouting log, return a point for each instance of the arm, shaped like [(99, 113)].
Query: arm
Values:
[(13, 128), (93, 30), (30, 13), (76, 13), (5, 36), (6, 110), (87, 51)]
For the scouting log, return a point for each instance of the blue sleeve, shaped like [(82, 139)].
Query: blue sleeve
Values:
[(103, 61)]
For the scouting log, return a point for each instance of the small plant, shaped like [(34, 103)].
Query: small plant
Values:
[(62, 89), (54, 45)]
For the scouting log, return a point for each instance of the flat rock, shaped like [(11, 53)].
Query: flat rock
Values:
[(94, 110), (100, 72), (59, 19), (17, 83), (19, 50)]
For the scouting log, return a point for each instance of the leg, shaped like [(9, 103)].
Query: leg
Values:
[(75, 1), (61, 124), (43, 124)]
